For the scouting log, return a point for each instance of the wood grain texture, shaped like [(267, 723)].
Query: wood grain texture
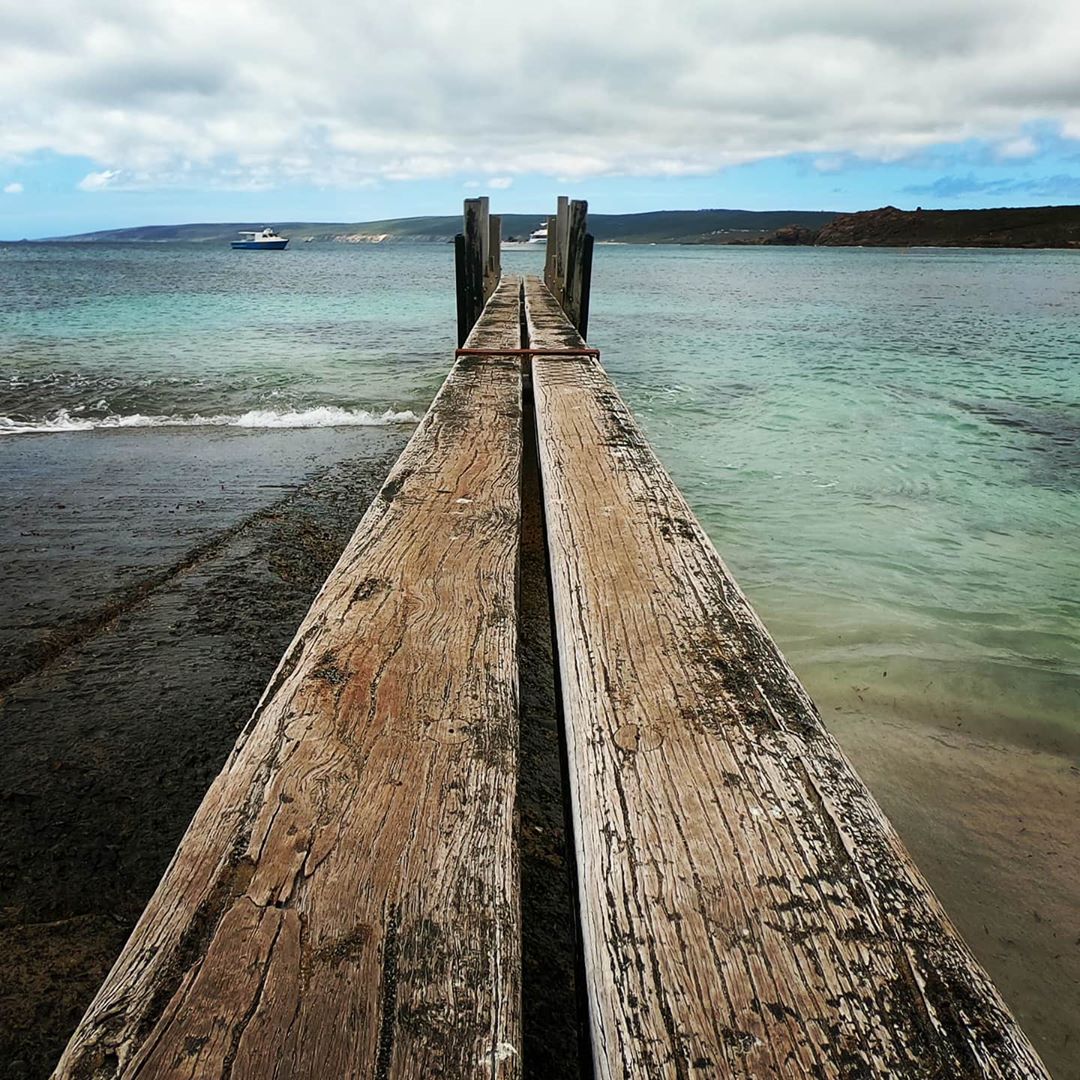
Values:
[(747, 909), (344, 903)]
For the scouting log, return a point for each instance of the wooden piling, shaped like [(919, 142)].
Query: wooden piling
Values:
[(344, 903), (549, 254), (746, 908), (485, 234), (493, 267), (471, 265), (581, 324), (575, 285), (568, 261), (562, 225)]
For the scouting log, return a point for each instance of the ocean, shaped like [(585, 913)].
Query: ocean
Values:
[(883, 444)]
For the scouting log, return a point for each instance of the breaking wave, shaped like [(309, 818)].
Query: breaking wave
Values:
[(320, 416)]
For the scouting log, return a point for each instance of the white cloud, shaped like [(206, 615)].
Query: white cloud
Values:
[(1016, 149), (98, 181), (500, 183), (14, 188), (267, 92)]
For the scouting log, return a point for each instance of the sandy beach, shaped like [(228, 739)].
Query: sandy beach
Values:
[(152, 581)]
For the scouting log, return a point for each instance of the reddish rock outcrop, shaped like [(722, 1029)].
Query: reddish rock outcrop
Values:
[(1036, 227)]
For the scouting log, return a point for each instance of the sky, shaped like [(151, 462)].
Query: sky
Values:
[(137, 112)]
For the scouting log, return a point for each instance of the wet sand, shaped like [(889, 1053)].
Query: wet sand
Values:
[(994, 829), (152, 581)]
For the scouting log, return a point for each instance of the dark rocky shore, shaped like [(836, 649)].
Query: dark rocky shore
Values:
[(1008, 227), (145, 615)]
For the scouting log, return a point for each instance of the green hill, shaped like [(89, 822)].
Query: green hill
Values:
[(1044, 226), (658, 227)]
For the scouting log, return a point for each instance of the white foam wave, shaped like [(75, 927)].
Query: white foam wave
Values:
[(321, 416)]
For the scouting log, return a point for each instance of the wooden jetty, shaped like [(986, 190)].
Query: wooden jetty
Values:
[(345, 901)]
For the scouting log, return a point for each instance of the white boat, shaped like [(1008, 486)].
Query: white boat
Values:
[(539, 236), (266, 240)]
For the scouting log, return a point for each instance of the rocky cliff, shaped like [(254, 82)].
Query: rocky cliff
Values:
[(1034, 227)]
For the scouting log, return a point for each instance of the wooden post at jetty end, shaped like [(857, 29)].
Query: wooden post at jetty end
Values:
[(477, 263), (575, 300), (549, 253), (746, 908), (568, 266), (493, 269), (345, 902), (562, 226), (472, 256)]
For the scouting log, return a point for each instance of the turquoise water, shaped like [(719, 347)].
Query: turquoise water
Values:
[(884, 445), (130, 336)]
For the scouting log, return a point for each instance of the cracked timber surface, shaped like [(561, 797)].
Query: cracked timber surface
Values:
[(345, 901)]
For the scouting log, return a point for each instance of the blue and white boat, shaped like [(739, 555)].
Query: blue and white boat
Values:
[(267, 240)]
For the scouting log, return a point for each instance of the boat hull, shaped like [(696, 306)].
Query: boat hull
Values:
[(256, 245)]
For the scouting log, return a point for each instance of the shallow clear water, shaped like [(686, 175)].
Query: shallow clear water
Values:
[(884, 445), (126, 335)]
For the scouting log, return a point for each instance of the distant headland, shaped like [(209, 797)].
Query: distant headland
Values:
[(1023, 227)]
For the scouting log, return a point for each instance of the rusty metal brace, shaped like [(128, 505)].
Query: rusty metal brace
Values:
[(594, 353)]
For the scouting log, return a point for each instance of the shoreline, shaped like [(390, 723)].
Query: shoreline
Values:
[(763, 241), (1056, 226)]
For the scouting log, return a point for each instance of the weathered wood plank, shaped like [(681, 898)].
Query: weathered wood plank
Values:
[(344, 903), (747, 909)]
